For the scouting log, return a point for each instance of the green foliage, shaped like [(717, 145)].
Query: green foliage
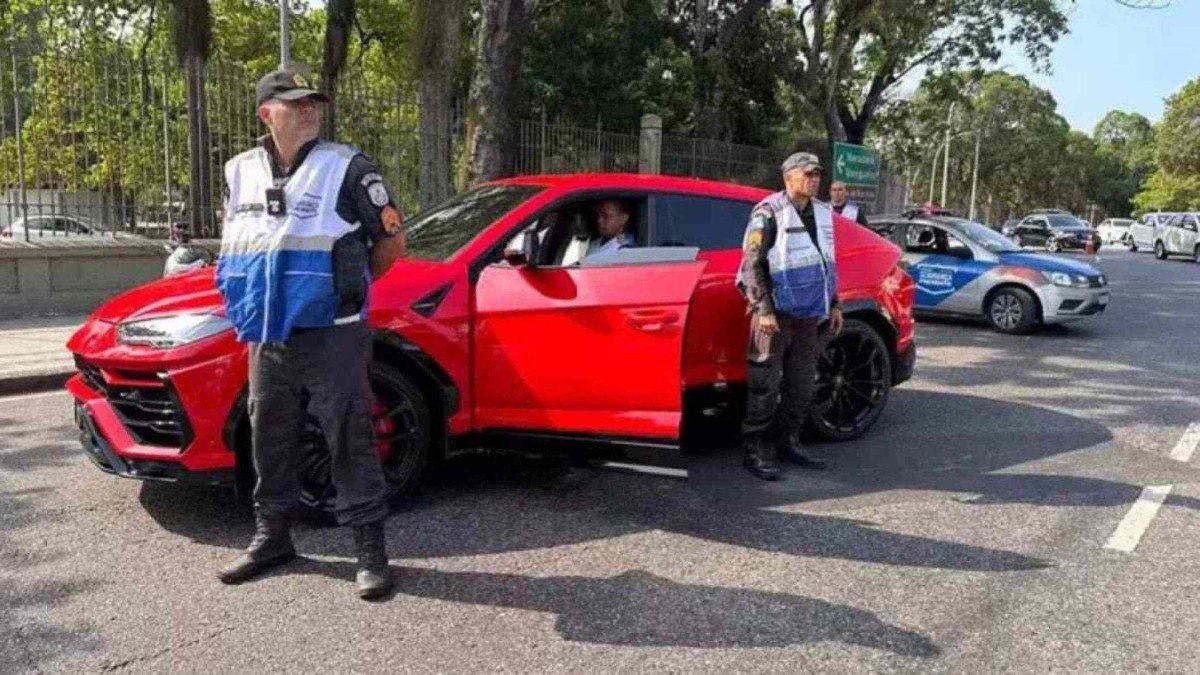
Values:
[(1177, 139), (1175, 185)]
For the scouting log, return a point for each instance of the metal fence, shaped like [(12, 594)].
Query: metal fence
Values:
[(96, 144)]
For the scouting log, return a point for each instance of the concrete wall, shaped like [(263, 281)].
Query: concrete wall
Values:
[(72, 277)]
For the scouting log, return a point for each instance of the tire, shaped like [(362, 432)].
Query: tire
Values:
[(1196, 255), (1012, 310), (854, 378), (1131, 245), (403, 430), (1160, 251), (1053, 246)]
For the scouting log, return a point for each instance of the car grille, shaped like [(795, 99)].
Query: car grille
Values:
[(152, 413)]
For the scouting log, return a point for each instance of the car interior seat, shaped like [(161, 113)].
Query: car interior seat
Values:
[(577, 242)]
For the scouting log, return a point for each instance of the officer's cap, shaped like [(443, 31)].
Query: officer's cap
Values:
[(287, 85), (801, 160)]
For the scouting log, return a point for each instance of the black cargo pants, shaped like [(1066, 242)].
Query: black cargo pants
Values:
[(330, 365), (781, 372)]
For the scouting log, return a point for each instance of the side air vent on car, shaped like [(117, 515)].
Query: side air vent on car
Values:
[(427, 305)]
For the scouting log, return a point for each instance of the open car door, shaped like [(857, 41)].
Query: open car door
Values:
[(590, 352)]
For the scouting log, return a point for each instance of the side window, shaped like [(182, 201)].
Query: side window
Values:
[(1191, 223), (706, 222), (956, 247)]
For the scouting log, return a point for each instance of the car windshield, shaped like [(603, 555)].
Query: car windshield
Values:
[(983, 235), (1066, 223), (437, 233)]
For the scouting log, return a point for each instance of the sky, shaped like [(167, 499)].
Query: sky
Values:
[(1117, 58)]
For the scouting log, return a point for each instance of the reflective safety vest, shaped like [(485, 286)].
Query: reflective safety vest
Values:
[(850, 210), (803, 278), (276, 273)]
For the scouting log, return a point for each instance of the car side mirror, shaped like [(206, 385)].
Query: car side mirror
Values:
[(522, 250)]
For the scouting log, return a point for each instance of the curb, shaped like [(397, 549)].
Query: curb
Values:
[(26, 384)]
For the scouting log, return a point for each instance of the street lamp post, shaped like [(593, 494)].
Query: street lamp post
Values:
[(974, 176), (285, 35), (946, 159)]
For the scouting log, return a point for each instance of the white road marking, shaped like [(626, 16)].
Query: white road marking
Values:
[(26, 397), (1187, 444), (645, 468), (1129, 532)]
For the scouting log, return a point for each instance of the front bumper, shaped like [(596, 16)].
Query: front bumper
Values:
[(98, 450), (1061, 304)]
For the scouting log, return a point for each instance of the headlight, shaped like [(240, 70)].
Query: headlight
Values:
[(172, 331), (1069, 280)]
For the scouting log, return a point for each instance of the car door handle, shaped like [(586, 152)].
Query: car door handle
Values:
[(652, 320)]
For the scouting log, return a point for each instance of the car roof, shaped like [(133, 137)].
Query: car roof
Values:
[(639, 181)]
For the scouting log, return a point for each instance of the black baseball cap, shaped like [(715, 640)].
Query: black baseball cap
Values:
[(287, 85)]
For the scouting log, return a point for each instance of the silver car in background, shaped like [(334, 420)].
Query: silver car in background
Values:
[(1144, 232), (1179, 236)]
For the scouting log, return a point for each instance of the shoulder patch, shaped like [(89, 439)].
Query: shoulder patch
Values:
[(390, 218), (371, 178), (378, 194)]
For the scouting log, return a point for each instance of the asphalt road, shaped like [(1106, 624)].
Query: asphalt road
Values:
[(966, 532)]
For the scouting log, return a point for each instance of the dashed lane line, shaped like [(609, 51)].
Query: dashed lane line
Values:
[(1187, 444), (1129, 532)]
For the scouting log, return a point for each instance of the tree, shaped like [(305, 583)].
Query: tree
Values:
[(854, 51), (441, 27), (1125, 158), (339, 20), (1175, 185), (1177, 139), (495, 89), (192, 36)]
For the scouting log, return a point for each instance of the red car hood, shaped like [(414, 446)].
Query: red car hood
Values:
[(184, 293), (194, 292)]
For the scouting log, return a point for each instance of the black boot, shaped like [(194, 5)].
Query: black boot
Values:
[(759, 460), (374, 578), (793, 451), (271, 546)]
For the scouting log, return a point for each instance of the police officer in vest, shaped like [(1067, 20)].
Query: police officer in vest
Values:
[(789, 278), (837, 199), (308, 224)]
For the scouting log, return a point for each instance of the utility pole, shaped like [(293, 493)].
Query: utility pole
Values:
[(285, 35), (946, 159), (974, 176)]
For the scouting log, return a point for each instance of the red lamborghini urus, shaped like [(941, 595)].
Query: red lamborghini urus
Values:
[(494, 330)]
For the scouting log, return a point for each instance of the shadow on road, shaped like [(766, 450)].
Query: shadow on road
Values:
[(640, 609)]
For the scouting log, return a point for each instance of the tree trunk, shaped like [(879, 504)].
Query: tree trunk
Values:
[(441, 34), (339, 20), (192, 36), (495, 89)]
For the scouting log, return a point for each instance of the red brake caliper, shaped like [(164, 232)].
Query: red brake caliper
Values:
[(385, 430)]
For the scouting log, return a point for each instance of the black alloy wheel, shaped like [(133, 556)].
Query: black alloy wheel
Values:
[(402, 426), (854, 377), (1053, 245), (1012, 310), (1160, 251)]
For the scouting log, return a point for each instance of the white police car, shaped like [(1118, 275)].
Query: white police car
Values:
[(963, 268)]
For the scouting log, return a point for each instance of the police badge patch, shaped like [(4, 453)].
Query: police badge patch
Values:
[(378, 194)]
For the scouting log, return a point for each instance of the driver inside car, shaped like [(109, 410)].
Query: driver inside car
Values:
[(612, 219)]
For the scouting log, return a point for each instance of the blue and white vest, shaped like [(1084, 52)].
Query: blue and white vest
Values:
[(803, 278), (276, 272)]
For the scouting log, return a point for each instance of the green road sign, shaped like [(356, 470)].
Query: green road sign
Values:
[(855, 165)]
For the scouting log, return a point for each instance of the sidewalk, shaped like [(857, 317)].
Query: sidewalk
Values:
[(33, 353)]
